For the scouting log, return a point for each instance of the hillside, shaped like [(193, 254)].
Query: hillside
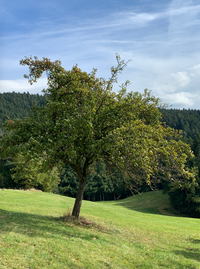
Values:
[(186, 120), (17, 105), (117, 234)]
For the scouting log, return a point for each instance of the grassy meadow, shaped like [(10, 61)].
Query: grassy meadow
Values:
[(137, 232)]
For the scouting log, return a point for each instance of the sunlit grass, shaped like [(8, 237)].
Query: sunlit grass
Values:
[(130, 233)]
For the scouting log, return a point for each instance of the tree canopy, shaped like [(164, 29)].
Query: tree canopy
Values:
[(85, 121)]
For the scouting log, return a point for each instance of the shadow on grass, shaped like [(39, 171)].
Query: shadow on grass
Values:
[(195, 241), (159, 209), (35, 225), (189, 253)]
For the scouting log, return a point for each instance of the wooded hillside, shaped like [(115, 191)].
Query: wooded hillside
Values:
[(17, 105), (186, 120)]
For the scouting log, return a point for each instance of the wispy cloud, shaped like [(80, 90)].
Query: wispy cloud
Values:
[(184, 20), (180, 99), (163, 46), (181, 88), (21, 85)]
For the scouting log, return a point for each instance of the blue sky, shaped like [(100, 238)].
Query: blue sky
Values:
[(162, 38)]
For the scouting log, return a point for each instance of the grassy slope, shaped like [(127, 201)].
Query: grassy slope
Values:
[(128, 233)]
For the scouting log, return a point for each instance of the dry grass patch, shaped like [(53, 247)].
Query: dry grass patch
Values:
[(82, 221)]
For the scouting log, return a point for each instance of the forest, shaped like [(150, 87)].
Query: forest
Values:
[(18, 105), (101, 185)]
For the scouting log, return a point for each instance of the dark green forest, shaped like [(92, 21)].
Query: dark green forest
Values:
[(187, 120), (17, 105), (103, 185)]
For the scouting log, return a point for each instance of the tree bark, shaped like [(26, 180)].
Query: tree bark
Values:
[(79, 198)]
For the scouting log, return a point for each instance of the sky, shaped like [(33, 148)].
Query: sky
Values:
[(161, 38)]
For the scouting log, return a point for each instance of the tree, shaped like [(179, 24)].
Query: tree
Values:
[(100, 185), (28, 173), (85, 121), (6, 166), (184, 194)]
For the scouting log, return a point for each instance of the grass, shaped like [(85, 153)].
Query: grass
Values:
[(37, 232)]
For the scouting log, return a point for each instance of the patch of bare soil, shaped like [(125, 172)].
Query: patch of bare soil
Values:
[(32, 189), (86, 223)]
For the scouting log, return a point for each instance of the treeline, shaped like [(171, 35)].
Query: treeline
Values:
[(103, 185), (187, 120), (17, 105)]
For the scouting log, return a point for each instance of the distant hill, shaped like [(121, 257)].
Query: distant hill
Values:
[(186, 120), (17, 105)]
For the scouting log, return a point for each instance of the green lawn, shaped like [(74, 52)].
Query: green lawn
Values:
[(129, 233)]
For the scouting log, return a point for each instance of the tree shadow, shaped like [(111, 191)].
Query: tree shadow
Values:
[(194, 241), (158, 209), (34, 225), (189, 253)]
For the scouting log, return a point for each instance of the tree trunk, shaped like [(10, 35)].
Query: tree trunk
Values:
[(79, 198)]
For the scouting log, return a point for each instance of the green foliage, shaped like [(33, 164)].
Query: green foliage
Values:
[(17, 105), (185, 197), (102, 184), (84, 121), (185, 194), (68, 184), (28, 173), (6, 166)]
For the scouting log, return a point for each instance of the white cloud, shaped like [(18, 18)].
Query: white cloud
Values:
[(163, 46), (180, 89), (22, 85), (180, 99), (184, 20), (195, 70), (181, 79)]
